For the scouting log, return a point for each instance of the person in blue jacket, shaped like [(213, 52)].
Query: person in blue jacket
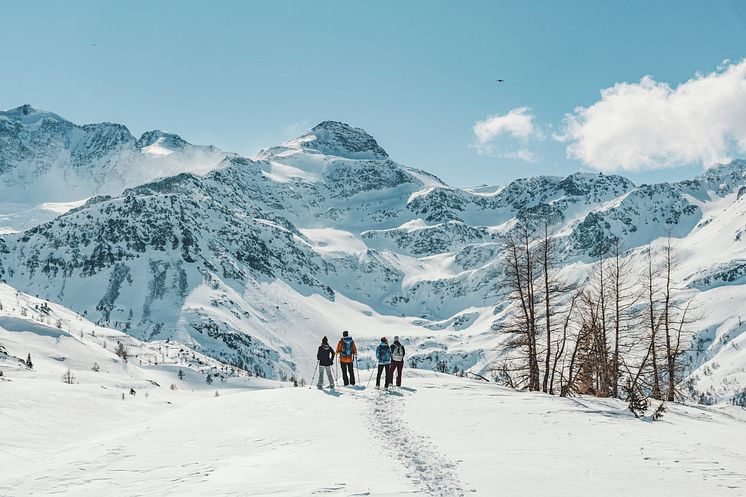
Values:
[(383, 356)]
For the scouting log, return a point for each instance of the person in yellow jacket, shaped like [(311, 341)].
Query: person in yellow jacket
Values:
[(347, 351)]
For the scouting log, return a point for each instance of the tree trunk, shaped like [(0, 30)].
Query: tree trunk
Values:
[(656, 393), (547, 294), (670, 355), (617, 321)]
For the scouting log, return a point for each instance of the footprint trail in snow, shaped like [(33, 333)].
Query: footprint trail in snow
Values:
[(425, 465)]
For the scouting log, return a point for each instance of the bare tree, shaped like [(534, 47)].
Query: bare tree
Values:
[(538, 299), (625, 295), (520, 273), (589, 341), (674, 320), (600, 336), (554, 289)]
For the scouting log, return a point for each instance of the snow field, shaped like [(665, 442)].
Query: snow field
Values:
[(436, 436), (519, 443)]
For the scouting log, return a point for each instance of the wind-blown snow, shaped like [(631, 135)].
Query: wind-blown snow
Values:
[(47, 159)]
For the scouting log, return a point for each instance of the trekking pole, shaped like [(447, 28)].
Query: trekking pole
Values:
[(314, 374), (371, 376), (336, 371), (357, 366)]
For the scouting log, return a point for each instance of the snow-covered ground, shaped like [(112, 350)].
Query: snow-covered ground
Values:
[(438, 436)]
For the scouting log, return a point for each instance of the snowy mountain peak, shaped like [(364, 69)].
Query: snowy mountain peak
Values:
[(725, 176), (25, 109), (160, 142), (28, 114), (332, 138), (343, 140)]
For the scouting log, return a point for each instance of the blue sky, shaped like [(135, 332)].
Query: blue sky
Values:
[(418, 75)]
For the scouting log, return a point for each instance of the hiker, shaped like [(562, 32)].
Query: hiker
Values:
[(347, 351), (397, 360), (325, 356), (383, 356)]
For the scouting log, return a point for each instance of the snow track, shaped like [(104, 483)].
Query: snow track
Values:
[(424, 464)]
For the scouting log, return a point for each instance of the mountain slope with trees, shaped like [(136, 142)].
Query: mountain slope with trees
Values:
[(583, 284)]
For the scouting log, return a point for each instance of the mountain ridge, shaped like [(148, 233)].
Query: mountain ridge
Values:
[(253, 260)]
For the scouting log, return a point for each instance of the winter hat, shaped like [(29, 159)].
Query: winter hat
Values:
[(324, 341), (383, 339), (345, 333), (396, 338)]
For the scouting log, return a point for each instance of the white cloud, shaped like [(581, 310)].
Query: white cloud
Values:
[(517, 124), (650, 125)]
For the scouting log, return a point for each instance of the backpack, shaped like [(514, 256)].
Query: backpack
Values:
[(383, 353), (346, 347), (397, 352)]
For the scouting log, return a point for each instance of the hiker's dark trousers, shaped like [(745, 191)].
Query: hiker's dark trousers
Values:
[(348, 373), (381, 369), (397, 366)]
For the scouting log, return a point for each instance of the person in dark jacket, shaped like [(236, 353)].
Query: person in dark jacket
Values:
[(325, 355), (383, 356), (397, 360)]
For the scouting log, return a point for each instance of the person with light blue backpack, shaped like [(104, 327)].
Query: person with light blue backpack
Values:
[(383, 357)]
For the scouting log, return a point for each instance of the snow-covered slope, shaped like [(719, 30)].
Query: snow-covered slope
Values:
[(58, 339), (255, 260)]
